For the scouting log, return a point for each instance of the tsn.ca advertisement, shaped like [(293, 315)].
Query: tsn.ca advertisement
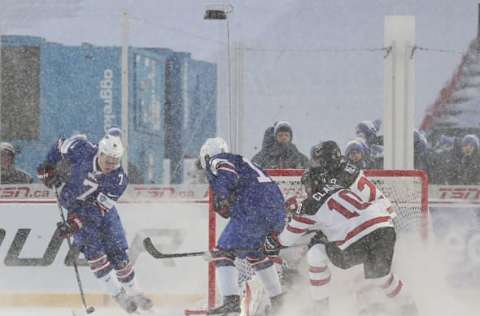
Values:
[(455, 217)]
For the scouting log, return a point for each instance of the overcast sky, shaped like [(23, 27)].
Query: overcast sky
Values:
[(291, 72)]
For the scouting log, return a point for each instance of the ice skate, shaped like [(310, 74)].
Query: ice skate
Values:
[(276, 305), (125, 302), (321, 307), (409, 310), (375, 309), (142, 301), (230, 307)]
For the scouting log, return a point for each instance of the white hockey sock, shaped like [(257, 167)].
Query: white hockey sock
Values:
[(111, 283), (227, 277), (270, 280), (131, 287)]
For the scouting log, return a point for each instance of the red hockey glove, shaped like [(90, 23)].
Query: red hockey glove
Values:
[(71, 226), (53, 175), (291, 205)]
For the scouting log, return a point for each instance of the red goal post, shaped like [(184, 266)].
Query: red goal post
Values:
[(406, 189)]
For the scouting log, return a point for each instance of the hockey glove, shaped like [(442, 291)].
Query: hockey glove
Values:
[(291, 205), (318, 238), (71, 226), (271, 246), (222, 207), (53, 175), (104, 203)]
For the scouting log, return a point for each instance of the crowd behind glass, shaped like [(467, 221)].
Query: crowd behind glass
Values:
[(453, 160)]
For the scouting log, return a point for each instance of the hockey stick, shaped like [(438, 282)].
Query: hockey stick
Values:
[(150, 248), (88, 309)]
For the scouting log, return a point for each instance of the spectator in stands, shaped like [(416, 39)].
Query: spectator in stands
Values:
[(356, 152), (367, 130), (9, 173), (469, 168), (444, 158), (267, 144), (278, 151)]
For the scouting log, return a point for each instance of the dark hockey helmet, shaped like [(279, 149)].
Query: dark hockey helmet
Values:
[(314, 179), (326, 155)]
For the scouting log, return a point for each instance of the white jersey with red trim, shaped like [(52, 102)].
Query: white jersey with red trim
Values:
[(341, 214), (368, 191)]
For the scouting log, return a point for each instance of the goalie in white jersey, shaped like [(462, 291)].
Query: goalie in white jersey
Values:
[(351, 231)]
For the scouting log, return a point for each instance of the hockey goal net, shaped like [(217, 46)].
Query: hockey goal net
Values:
[(406, 189)]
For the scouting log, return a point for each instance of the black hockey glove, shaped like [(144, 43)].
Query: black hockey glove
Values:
[(71, 226), (53, 175), (222, 207), (318, 238), (271, 246)]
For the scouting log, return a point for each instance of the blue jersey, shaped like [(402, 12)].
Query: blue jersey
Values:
[(86, 180), (237, 179), (256, 203)]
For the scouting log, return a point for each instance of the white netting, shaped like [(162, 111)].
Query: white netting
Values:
[(405, 189), (408, 196)]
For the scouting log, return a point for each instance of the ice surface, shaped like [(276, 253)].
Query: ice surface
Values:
[(99, 311)]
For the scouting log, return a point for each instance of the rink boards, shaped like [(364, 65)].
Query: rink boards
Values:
[(34, 264), (35, 268)]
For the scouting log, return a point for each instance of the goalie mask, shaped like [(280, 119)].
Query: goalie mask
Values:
[(212, 147), (326, 155)]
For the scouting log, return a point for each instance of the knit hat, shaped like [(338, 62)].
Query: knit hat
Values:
[(283, 126), (356, 145), (471, 139), (7, 147)]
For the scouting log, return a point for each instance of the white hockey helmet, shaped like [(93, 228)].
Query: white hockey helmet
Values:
[(111, 146), (212, 147)]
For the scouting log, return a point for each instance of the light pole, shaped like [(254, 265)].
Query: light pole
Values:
[(221, 12)]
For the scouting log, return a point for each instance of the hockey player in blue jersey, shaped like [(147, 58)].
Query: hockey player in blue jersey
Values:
[(93, 181), (254, 205)]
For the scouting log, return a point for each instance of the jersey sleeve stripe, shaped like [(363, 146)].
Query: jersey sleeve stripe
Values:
[(224, 168), (295, 230), (304, 220)]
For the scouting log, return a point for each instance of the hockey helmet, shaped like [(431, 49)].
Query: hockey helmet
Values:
[(326, 155), (212, 147), (314, 179), (111, 146)]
